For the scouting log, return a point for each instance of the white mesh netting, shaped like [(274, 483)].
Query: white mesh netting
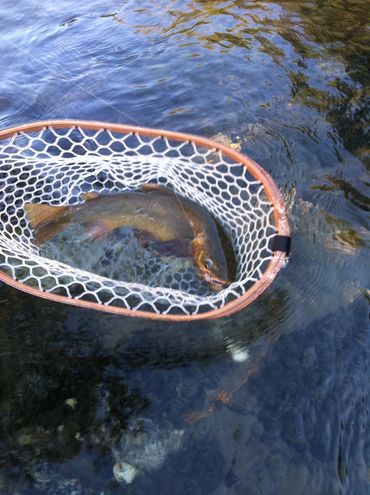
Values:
[(57, 166)]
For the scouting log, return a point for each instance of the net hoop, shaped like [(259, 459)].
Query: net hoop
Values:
[(270, 189)]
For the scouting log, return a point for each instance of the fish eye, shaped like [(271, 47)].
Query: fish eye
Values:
[(208, 263)]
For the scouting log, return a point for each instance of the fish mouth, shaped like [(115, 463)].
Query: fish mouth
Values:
[(215, 282)]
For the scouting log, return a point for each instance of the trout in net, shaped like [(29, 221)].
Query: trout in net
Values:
[(168, 223)]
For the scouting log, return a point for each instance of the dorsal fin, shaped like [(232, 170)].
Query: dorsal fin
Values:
[(155, 187), (38, 214), (90, 195)]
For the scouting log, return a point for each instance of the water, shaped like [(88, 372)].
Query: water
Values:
[(120, 255), (281, 389)]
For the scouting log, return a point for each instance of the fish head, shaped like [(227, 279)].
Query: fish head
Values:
[(211, 263)]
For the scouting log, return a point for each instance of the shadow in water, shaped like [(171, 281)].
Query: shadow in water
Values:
[(70, 394)]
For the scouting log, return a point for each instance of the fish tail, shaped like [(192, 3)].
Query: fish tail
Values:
[(45, 220), (38, 214)]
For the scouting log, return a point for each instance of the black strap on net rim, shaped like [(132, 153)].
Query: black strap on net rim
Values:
[(281, 243)]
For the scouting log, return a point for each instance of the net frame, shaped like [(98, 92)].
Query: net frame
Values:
[(269, 188)]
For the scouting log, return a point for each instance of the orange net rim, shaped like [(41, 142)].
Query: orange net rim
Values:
[(272, 192)]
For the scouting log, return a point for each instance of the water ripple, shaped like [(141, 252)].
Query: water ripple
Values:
[(284, 382)]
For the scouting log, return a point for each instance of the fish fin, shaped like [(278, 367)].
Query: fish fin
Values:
[(173, 247), (46, 231), (199, 242), (155, 187), (145, 237), (90, 195), (38, 214), (198, 246), (98, 229)]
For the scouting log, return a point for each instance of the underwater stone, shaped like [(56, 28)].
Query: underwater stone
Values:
[(145, 446), (238, 354), (124, 472), (72, 403)]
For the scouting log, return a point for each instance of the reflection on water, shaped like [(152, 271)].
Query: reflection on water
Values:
[(283, 384)]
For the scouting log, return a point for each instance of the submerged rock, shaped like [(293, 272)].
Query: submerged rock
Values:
[(144, 447), (232, 141), (124, 472)]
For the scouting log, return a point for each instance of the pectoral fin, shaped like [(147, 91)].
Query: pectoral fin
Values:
[(145, 237), (173, 247)]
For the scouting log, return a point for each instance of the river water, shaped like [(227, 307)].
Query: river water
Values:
[(85, 395)]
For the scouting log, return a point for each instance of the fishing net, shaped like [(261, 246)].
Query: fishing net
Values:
[(56, 163)]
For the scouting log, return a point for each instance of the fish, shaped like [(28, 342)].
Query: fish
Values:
[(165, 221)]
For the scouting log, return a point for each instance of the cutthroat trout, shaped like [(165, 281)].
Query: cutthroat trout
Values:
[(168, 223)]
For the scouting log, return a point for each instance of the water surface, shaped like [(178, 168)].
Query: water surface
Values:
[(280, 391)]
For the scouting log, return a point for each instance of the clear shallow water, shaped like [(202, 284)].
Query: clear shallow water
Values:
[(81, 391), (121, 256)]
